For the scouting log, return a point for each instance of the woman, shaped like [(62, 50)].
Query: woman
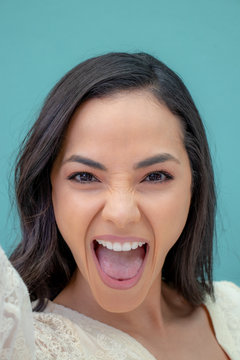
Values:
[(116, 198)]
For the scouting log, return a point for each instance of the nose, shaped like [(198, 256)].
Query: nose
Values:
[(121, 209)]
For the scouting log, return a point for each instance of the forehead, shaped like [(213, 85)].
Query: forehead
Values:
[(128, 122)]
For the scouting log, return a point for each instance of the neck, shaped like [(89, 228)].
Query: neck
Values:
[(158, 308)]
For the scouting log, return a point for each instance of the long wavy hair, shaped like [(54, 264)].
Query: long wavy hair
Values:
[(42, 258)]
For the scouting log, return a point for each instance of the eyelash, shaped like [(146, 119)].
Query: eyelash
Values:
[(161, 173), (166, 175)]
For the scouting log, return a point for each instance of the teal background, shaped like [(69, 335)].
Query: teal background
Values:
[(200, 40)]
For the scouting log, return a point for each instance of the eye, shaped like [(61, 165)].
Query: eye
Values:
[(83, 177), (158, 177)]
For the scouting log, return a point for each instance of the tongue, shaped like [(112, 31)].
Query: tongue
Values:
[(120, 265)]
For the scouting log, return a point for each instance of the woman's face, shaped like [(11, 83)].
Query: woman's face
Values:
[(123, 176)]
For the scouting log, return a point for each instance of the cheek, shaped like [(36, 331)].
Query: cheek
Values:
[(174, 215), (168, 225), (168, 215), (74, 212)]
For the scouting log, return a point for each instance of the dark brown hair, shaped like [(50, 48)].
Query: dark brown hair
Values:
[(42, 258)]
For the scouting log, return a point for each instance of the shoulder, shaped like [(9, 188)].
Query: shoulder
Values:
[(227, 300), (225, 315), (227, 295), (226, 289)]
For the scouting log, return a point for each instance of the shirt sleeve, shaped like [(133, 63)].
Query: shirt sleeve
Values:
[(16, 319)]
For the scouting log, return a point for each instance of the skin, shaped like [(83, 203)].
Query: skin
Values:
[(118, 132)]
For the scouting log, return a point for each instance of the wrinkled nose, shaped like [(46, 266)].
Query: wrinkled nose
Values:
[(121, 209)]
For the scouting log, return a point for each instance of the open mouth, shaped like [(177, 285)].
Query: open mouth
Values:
[(120, 266)]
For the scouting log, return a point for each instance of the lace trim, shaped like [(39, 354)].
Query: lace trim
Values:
[(16, 331), (59, 336)]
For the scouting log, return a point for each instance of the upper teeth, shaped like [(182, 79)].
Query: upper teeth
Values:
[(126, 246)]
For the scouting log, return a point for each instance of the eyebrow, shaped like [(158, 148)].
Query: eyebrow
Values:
[(86, 161), (159, 158)]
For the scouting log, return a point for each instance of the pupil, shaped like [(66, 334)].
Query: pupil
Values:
[(155, 177), (86, 177)]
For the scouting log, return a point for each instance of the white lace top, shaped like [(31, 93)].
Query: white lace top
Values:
[(63, 334)]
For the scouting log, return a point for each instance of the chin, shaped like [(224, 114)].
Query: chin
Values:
[(120, 301)]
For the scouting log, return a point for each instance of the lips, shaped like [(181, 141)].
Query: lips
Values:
[(120, 261)]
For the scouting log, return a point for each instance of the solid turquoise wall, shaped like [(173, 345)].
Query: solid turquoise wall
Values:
[(41, 40)]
